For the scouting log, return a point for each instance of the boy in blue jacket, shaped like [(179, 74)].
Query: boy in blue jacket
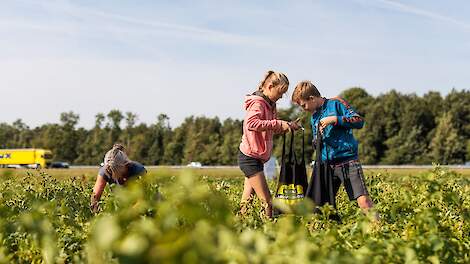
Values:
[(336, 118)]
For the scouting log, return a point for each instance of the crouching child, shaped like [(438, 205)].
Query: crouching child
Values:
[(117, 169)]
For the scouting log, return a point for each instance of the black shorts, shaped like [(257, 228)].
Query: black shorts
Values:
[(351, 175), (249, 165)]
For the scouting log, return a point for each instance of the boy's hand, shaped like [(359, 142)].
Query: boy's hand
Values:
[(324, 122)]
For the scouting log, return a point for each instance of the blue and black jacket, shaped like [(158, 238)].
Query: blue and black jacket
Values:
[(339, 144)]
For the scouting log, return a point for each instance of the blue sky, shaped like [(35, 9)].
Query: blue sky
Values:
[(201, 57)]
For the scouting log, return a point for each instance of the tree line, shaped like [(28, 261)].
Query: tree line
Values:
[(399, 129)]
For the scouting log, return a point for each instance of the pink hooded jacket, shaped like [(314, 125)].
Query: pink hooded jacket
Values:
[(258, 128)]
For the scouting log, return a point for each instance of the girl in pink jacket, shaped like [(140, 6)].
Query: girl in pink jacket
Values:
[(259, 125)]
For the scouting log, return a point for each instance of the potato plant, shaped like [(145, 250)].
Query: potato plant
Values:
[(165, 218)]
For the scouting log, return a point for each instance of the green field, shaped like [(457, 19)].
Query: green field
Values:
[(217, 173), (190, 216)]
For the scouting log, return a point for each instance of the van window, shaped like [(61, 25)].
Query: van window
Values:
[(48, 156)]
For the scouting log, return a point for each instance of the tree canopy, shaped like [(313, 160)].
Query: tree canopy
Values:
[(399, 129)]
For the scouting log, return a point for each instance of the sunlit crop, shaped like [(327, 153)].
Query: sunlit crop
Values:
[(189, 219)]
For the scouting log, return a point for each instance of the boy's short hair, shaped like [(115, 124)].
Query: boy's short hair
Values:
[(304, 90)]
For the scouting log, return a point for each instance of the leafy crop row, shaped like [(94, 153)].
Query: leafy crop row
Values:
[(186, 219)]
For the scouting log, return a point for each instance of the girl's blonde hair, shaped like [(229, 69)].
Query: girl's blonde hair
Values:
[(116, 162), (274, 78)]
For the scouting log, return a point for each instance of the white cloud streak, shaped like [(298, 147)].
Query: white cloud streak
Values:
[(140, 26), (424, 13)]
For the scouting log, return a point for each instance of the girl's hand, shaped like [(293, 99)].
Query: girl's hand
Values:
[(289, 126), (324, 122), (285, 126), (94, 206), (296, 125)]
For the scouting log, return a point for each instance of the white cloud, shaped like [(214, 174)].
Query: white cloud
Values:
[(423, 13), (117, 23)]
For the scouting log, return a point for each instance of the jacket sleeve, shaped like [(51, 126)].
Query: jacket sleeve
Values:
[(347, 117), (254, 122)]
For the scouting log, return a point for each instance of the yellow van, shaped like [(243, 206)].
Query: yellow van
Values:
[(32, 158)]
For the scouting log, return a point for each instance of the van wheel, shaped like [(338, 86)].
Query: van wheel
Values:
[(38, 166)]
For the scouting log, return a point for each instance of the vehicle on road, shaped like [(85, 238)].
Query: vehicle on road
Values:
[(25, 158), (195, 164), (60, 165)]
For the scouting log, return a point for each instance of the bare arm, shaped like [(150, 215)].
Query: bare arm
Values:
[(97, 191)]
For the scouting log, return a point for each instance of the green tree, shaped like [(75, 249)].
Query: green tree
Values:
[(94, 146), (447, 147), (22, 136), (372, 136), (173, 153), (115, 118), (7, 133), (434, 104), (458, 104), (231, 133), (415, 123), (390, 112), (202, 140), (159, 136), (399, 129), (467, 158), (139, 144), (131, 119), (49, 136), (406, 148), (69, 139)]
